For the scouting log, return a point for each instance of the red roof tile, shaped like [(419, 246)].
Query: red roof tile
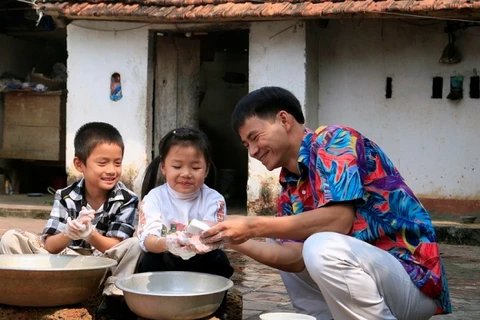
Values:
[(238, 10)]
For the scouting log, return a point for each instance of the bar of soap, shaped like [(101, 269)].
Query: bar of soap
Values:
[(196, 227)]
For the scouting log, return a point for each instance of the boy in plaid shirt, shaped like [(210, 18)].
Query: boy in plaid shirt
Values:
[(93, 216)]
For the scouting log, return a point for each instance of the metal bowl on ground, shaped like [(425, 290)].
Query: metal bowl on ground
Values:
[(285, 316), (173, 294), (44, 280)]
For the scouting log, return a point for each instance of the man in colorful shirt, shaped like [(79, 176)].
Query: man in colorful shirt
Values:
[(363, 246)]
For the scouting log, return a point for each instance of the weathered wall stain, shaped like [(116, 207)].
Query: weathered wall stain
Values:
[(72, 174), (129, 175), (453, 207), (266, 202)]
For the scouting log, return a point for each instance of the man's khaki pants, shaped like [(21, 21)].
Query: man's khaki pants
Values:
[(127, 254)]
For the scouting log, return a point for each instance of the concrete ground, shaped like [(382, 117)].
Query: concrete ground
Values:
[(262, 287)]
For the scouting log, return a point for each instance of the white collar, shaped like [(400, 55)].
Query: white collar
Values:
[(182, 196)]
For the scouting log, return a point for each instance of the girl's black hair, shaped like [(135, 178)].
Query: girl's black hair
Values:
[(184, 136)]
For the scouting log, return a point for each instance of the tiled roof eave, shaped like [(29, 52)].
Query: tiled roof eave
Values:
[(186, 11)]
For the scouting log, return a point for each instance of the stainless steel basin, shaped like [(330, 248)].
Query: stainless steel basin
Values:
[(173, 294), (43, 280)]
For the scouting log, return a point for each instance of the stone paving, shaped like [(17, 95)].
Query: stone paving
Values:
[(462, 264), (262, 287)]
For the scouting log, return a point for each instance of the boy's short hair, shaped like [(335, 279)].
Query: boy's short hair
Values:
[(265, 103), (91, 135)]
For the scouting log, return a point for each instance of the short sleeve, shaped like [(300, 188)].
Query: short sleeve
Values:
[(215, 207), (338, 157), (150, 218), (58, 216)]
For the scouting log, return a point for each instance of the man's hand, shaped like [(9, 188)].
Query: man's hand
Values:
[(196, 246), (234, 230)]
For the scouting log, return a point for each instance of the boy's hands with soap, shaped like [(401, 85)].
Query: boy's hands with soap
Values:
[(81, 227)]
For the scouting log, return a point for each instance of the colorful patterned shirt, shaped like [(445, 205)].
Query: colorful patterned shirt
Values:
[(337, 164), (115, 218)]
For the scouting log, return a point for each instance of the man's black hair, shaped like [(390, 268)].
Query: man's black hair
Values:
[(265, 103)]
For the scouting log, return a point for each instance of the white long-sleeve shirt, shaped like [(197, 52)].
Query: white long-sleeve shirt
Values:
[(163, 207)]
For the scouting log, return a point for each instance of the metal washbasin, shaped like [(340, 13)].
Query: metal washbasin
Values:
[(44, 280), (285, 316), (173, 294)]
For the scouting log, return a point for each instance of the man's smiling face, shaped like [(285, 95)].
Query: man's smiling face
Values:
[(266, 141)]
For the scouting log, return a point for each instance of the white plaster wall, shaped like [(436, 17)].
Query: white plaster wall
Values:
[(276, 58), (433, 142), (95, 51)]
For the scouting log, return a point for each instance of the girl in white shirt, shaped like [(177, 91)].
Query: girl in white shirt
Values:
[(184, 159)]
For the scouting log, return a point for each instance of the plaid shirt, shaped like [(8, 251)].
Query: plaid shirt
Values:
[(114, 219)]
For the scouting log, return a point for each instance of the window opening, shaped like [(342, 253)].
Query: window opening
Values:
[(437, 88), (475, 87), (388, 93)]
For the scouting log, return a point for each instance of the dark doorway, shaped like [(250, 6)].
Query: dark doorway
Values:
[(199, 77)]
